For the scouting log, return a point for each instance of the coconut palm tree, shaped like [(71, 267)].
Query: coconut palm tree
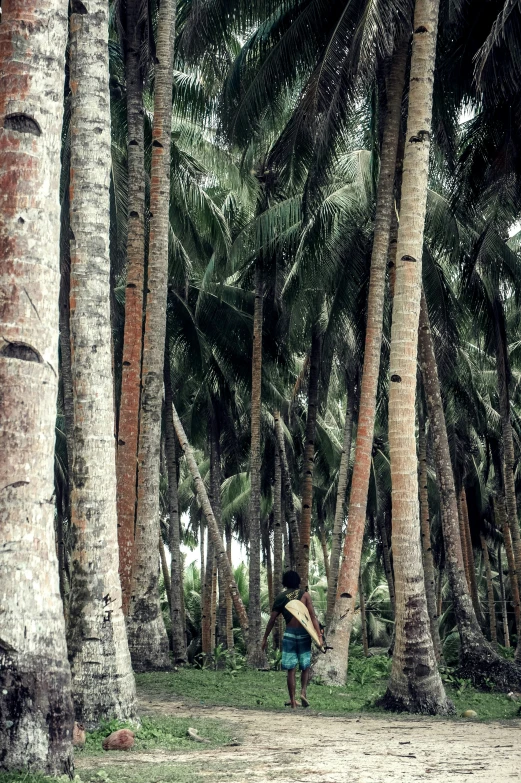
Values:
[(34, 677), (146, 632), (102, 678)]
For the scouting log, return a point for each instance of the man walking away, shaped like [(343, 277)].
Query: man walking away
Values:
[(296, 644)]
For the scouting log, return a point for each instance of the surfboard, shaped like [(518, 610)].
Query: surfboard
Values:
[(300, 612)]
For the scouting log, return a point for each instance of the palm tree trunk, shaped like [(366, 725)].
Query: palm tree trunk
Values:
[(165, 571), (309, 454), (500, 512), (277, 542), (478, 661), (502, 364), (325, 553), (472, 565), (34, 675), (490, 592), (229, 606), (340, 508), (417, 688), (213, 528), (287, 548), (382, 527), (176, 564), (102, 680), (464, 546), (504, 615), (213, 625), (267, 558), (363, 618), (129, 407), (288, 492), (255, 656), (206, 608), (148, 641), (428, 562), (201, 549), (333, 666), (439, 595), (215, 499)]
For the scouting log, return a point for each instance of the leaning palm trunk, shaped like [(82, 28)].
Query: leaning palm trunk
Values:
[(102, 680), (255, 655), (176, 565), (36, 712), (478, 661), (343, 475), (128, 426), (333, 666), (213, 528), (416, 688), (309, 454), (288, 491), (428, 561), (490, 592), (148, 641)]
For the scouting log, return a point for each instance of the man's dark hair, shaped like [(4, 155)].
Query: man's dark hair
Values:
[(291, 579)]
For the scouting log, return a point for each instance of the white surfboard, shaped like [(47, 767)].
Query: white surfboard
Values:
[(300, 613)]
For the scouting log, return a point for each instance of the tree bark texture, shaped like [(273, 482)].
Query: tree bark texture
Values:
[(309, 454), (416, 687), (277, 541), (288, 492), (504, 615), (428, 561), (129, 406), (165, 571), (340, 508), (206, 602), (478, 661), (363, 618), (490, 592), (102, 679), (464, 546), (176, 563), (147, 635), (333, 666), (256, 657), (36, 712), (502, 365), (500, 513), (213, 528)]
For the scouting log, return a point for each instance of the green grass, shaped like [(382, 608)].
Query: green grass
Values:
[(366, 682)]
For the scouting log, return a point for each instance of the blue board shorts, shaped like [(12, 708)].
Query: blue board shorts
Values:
[(296, 649)]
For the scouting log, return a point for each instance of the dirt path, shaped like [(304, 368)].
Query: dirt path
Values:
[(319, 749)]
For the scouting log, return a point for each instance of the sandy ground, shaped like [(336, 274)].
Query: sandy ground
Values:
[(318, 749)]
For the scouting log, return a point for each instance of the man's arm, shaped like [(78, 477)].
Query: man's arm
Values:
[(269, 628), (306, 599)]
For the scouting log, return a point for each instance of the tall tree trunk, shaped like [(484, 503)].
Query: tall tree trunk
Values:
[(325, 553), (490, 592), (148, 641), (206, 602), (256, 657), (102, 679), (382, 527), (333, 666), (287, 548), (201, 551), (463, 537), (309, 454), (215, 499), (428, 561), (363, 618), (129, 407), (288, 491), (504, 615), (439, 594), (213, 621), (213, 528), (500, 513), (340, 508), (176, 563), (277, 541), (36, 703), (472, 565), (503, 371), (229, 606), (269, 564), (478, 661), (415, 688), (165, 571)]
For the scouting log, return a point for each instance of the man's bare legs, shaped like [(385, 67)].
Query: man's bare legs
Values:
[(292, 688), (304, 679)]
